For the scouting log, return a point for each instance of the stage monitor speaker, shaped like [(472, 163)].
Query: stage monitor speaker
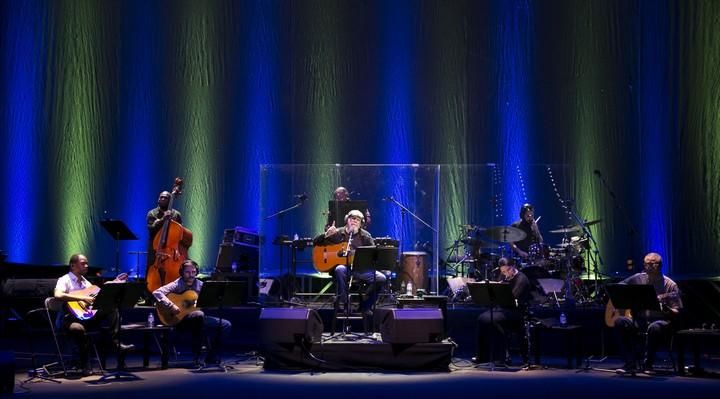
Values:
[(290, 325), (411, 326)]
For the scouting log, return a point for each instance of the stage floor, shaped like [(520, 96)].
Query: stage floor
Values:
[(248, 379)]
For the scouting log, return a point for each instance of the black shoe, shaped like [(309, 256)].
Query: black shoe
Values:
[(649, 369), (125, 347), (86, 372), (626, 369)]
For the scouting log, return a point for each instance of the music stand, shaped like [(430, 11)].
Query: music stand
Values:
[(633, 296), (119, 231), (492, 294), (119, 296), (221, 294)]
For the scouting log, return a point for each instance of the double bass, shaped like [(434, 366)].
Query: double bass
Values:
[(171, 245)]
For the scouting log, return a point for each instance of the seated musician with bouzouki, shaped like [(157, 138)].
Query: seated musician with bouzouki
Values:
[(656, 324), (176, 306), (333, 252), (79, 294)]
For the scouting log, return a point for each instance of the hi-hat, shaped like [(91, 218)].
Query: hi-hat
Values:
[(505, 234), (569, 229)]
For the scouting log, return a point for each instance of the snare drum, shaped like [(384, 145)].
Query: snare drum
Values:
[(414, 269)]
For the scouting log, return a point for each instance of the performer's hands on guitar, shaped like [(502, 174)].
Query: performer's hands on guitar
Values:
[(174, 309), (331, 230)]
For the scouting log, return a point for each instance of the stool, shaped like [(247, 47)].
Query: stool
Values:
[(355, 295), (571, 336), (700, 338)]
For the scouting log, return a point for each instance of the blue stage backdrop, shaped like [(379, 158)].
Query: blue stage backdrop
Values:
[(102, 104)]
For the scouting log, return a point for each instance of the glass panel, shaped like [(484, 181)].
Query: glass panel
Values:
[(441, 214)]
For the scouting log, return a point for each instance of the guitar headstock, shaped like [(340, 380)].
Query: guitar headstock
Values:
[(177, 187)]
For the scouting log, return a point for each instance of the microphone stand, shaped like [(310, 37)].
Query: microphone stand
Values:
[(402, 225), (631, 228), (594, 254), (279, 214)]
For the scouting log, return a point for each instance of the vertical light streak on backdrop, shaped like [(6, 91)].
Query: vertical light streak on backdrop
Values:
[(77, 127), (260, 58), (396, 46), (23, 61), (200, 72), (698, 195), (657, 123), (449, 54), (140, 76), (319, 32), (587, 118), (512, 46)]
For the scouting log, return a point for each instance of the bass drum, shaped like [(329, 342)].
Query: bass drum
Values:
[(414, 269)]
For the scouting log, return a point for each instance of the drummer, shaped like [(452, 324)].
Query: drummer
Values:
[(527, 224)]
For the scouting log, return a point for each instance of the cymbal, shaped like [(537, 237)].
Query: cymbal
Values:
[(505, 234), (573, 228), (570, 229)]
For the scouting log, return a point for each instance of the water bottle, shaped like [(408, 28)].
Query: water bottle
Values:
[(234, 267), (408, 288), (563, 319), (151, 319)]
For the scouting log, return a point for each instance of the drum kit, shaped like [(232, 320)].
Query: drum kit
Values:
[(484, 246)]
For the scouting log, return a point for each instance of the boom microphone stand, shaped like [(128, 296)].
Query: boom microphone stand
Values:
[(279, 214), (419, 219)]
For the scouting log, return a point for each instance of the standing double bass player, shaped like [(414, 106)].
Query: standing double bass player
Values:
[(169, 240)]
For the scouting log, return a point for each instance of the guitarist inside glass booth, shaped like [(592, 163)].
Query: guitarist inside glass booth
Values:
[(78, 294), (333, 252), (176, 306), (656, 324)]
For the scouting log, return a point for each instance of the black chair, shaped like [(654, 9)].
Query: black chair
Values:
[(54, 315)]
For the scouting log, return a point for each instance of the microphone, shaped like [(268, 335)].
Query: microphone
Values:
[(597, 172), (301, 197)]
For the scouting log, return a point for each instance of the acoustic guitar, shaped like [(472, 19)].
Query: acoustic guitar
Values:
[(80, 309), (326, 257), (187, 302), (612, 314), (84, 311)]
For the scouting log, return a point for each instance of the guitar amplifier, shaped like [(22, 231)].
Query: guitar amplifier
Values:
[(245, 257), (241, 236)]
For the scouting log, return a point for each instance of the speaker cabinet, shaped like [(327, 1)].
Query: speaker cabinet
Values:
[(290, 325), (246, 258), (411, 326)]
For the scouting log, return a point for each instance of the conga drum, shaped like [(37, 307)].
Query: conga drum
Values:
[(414, 269)]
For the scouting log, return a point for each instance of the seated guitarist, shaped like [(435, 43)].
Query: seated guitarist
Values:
[(195, 320), (656, 324), (353, 234), (75, 288)]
